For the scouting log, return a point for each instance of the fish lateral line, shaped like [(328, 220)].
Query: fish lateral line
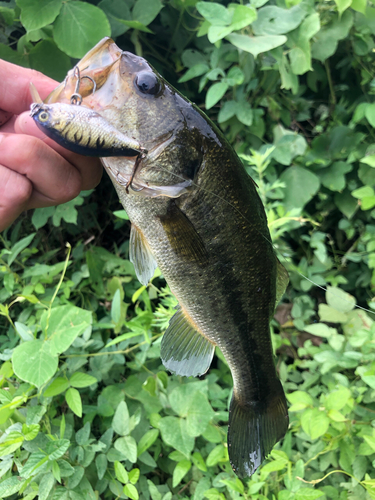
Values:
[(294, 268)]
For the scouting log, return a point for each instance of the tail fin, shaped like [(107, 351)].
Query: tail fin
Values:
[(254, 429)]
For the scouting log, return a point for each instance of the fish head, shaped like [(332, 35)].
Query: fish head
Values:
[(131, 95)]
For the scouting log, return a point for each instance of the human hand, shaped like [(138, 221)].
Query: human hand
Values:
[(34, 170)]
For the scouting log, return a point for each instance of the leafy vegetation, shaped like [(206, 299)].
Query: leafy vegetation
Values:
[(87, 409)]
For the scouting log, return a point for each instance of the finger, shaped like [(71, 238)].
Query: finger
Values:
[(15, 193), (15, 81), (4, 117), (53, 178), (90, 169)]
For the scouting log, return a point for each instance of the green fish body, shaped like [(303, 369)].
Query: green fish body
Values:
[(197, 215)]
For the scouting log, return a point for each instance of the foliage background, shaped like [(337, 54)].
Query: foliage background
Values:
[(87, 410)]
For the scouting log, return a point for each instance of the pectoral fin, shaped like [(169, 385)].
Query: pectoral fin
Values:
[(182, 236), (282, 280), (141, 257), (184, 350)]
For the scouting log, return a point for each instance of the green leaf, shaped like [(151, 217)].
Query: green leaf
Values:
[(19, 246), (116, 307), (180, 471), (197, 70), (342, 5), (128, 447), (145, 11), (65, 324), (115, 10), (46, 57), (218, 454), (274, 20), (215, 93), (336, 400), (35, 15), (121, 473), (57, 386), (30, 431), (321, 330), (41, 215), (67, 211), (300, 400), (74, 401), (333, 177), (11, 485), (56, 471), (359, 6), (308, 494), (101, 465), (370, 113), (45, 486), (214, 13), (256, 44), (369, 160), (174, 433), (199, 415), (331, 315), (314, 422), (120, 422), (134, 475), (136, 25), (79, 27), (340, 300), (326, 40), (34, 362), (235, 485), (301, 186), (147, 440), (79, 380), (243, 15), (131, 491), (346, 203)]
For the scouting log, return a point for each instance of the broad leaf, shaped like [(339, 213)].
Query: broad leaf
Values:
[(35, 362)]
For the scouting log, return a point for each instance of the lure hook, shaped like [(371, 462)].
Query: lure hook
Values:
[(76, 98), (140, 157)]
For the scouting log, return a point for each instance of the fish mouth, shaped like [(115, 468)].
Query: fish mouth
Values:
[(92, 71)]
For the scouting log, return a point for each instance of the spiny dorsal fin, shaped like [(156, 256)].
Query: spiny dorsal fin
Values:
[(182, 236), (184, 350), (282, 280), (141, 257)]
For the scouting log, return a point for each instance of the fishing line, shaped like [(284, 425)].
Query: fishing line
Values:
[(270, 242)]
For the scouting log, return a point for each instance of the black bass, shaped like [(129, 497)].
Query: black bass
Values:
[(197, 215)]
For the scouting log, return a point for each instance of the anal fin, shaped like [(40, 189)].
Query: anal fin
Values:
[(184, 350), (141, 257)]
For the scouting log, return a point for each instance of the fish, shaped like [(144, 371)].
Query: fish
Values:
[(82, 130), (196, 214)]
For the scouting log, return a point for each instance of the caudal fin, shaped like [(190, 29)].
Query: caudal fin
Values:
[(254, 428)]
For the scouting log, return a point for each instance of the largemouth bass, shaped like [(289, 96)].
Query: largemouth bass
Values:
[(197, 215)]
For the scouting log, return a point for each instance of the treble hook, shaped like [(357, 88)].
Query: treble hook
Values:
[(140, 157), (76, 97)]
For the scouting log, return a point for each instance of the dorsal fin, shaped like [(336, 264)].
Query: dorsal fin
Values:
[(141, 257), (184, 350)]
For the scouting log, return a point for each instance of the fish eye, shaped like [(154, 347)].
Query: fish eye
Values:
[(43, 116), (148, 83)]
